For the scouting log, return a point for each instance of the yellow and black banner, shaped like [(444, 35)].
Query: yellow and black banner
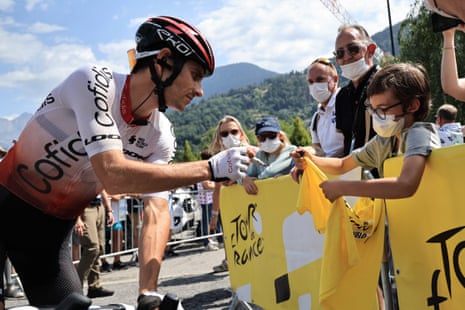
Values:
[(427, 234)]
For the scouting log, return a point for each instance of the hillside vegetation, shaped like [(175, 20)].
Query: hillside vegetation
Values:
[(285, 97)]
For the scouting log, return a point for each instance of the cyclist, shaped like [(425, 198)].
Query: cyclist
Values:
[(97, 130)]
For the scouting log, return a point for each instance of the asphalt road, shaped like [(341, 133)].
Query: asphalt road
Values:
[(188, 275)]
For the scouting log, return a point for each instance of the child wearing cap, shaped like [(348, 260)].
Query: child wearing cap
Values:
[(273, 154)]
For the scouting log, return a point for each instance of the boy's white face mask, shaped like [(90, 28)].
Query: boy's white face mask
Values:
[(387, 127)]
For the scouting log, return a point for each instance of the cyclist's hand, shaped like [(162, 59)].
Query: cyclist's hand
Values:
[(230, 164)]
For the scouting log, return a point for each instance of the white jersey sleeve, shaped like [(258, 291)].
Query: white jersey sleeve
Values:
[(90, 94)]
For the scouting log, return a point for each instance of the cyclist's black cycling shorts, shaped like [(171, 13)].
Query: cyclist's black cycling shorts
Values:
[(38, 246)]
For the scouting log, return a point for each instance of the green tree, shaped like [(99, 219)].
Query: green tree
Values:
[(188, 155), (207, 138), (300, 135)]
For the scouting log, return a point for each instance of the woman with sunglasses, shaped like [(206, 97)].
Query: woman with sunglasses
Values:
[(228, 134), (273, 155)]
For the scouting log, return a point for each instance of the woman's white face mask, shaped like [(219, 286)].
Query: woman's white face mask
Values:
[(231, 141), (387, 127), (270, 145)]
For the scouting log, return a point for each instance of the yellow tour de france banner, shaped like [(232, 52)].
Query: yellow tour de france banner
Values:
[(277, 253), (427, 234)]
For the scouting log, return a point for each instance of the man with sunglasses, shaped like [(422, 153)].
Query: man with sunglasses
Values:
[(354, 53), (322, 81)]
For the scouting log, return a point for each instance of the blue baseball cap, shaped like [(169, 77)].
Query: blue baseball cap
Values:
[(267, 124)]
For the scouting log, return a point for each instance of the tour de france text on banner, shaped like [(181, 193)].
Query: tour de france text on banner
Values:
[(275, 254), (276, 248)]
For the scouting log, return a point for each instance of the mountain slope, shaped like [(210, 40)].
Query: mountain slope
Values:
[(234, 76)]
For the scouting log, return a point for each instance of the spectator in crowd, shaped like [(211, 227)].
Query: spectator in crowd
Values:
[(400, 101), (205, 192), (273, 154), (99, 129), (354, 54), (447, 8), (450, 131), (12, 289), (322, 80), (75, 247), (90, 227), (450, 81), (135, 206), (119, 209), (228, 134)]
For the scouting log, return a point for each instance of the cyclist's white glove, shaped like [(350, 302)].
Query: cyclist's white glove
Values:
[(230, 164)]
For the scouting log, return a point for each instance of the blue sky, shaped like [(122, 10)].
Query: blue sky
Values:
[(42, 41)]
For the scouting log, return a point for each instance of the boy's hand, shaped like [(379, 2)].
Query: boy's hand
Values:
[(332, 189)]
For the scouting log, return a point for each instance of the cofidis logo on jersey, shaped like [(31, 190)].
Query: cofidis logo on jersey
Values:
[(99, 88)]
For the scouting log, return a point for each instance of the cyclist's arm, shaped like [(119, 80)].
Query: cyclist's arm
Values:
[(120, 175)]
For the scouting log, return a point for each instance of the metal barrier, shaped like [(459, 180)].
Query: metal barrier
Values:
[(186, 224)]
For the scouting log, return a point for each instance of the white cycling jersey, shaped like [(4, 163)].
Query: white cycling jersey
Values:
[(88, 113)]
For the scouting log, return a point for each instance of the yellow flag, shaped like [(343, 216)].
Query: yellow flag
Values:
[(350, 266), (311, 197)]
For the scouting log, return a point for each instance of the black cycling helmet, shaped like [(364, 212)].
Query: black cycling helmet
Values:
[(184, 40)]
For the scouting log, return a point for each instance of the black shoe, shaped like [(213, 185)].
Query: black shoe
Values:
[(120, 265), (105, 267), (170, 253), (98, 292), (147, 302)]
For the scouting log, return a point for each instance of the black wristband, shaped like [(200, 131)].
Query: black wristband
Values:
[(213, 175)]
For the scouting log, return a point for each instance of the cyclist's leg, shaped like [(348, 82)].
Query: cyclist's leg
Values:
[(39, 248)]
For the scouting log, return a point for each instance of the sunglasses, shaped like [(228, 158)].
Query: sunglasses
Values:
[(269, 135), (226, 133), (352, 50)]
